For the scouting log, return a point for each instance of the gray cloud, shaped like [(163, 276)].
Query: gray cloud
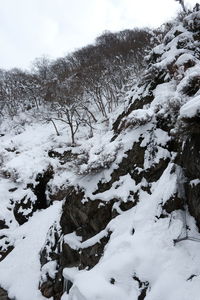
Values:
[(31, 28)]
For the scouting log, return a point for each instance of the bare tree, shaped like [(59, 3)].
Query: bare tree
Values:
[(182, 4)]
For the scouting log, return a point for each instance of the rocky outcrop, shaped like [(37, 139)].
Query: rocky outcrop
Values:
[(133, 159), (3, 224), (4, 295), (137, 185), (85, 218), (24, 208), (191, 165), (143, 287)]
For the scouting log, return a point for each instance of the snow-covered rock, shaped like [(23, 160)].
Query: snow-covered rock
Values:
[(117, 216)]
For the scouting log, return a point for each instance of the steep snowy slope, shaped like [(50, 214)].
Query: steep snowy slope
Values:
[(118, 215)]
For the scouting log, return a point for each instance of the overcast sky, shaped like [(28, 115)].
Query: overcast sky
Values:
[(32, 28)]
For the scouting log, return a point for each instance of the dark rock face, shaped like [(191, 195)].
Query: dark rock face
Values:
[(191, 165), (85, 219), (40, 189), (3, 224), (174, 203), (133, 157), (47, 289), (40, 192), (137, 104), (6, 247), (53, 287), (4, 252), (191, 157), (155, 172), (66, 156), (193, 198), (68, 257), (23, 204), (143, 287), (4, 295), (192, 87)]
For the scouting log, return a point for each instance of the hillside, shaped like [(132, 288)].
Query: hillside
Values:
[(114, 215)]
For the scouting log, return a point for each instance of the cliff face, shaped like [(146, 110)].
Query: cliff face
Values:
[(159, 137), (124, 217)]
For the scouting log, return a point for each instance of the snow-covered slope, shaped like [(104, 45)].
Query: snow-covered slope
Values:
[(117, 216)]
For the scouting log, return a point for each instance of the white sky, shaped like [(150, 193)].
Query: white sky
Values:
[(32, 28)]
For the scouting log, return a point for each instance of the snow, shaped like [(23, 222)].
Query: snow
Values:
[(49, 269), (139, 116), (141, 240), (184, 58), (162, 94), (149, 253), (190, 74), (75, 243), (20, 271), (65, 297), (195, 182), (191, 108), (161, 136), (118, 261), (32, 147)]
